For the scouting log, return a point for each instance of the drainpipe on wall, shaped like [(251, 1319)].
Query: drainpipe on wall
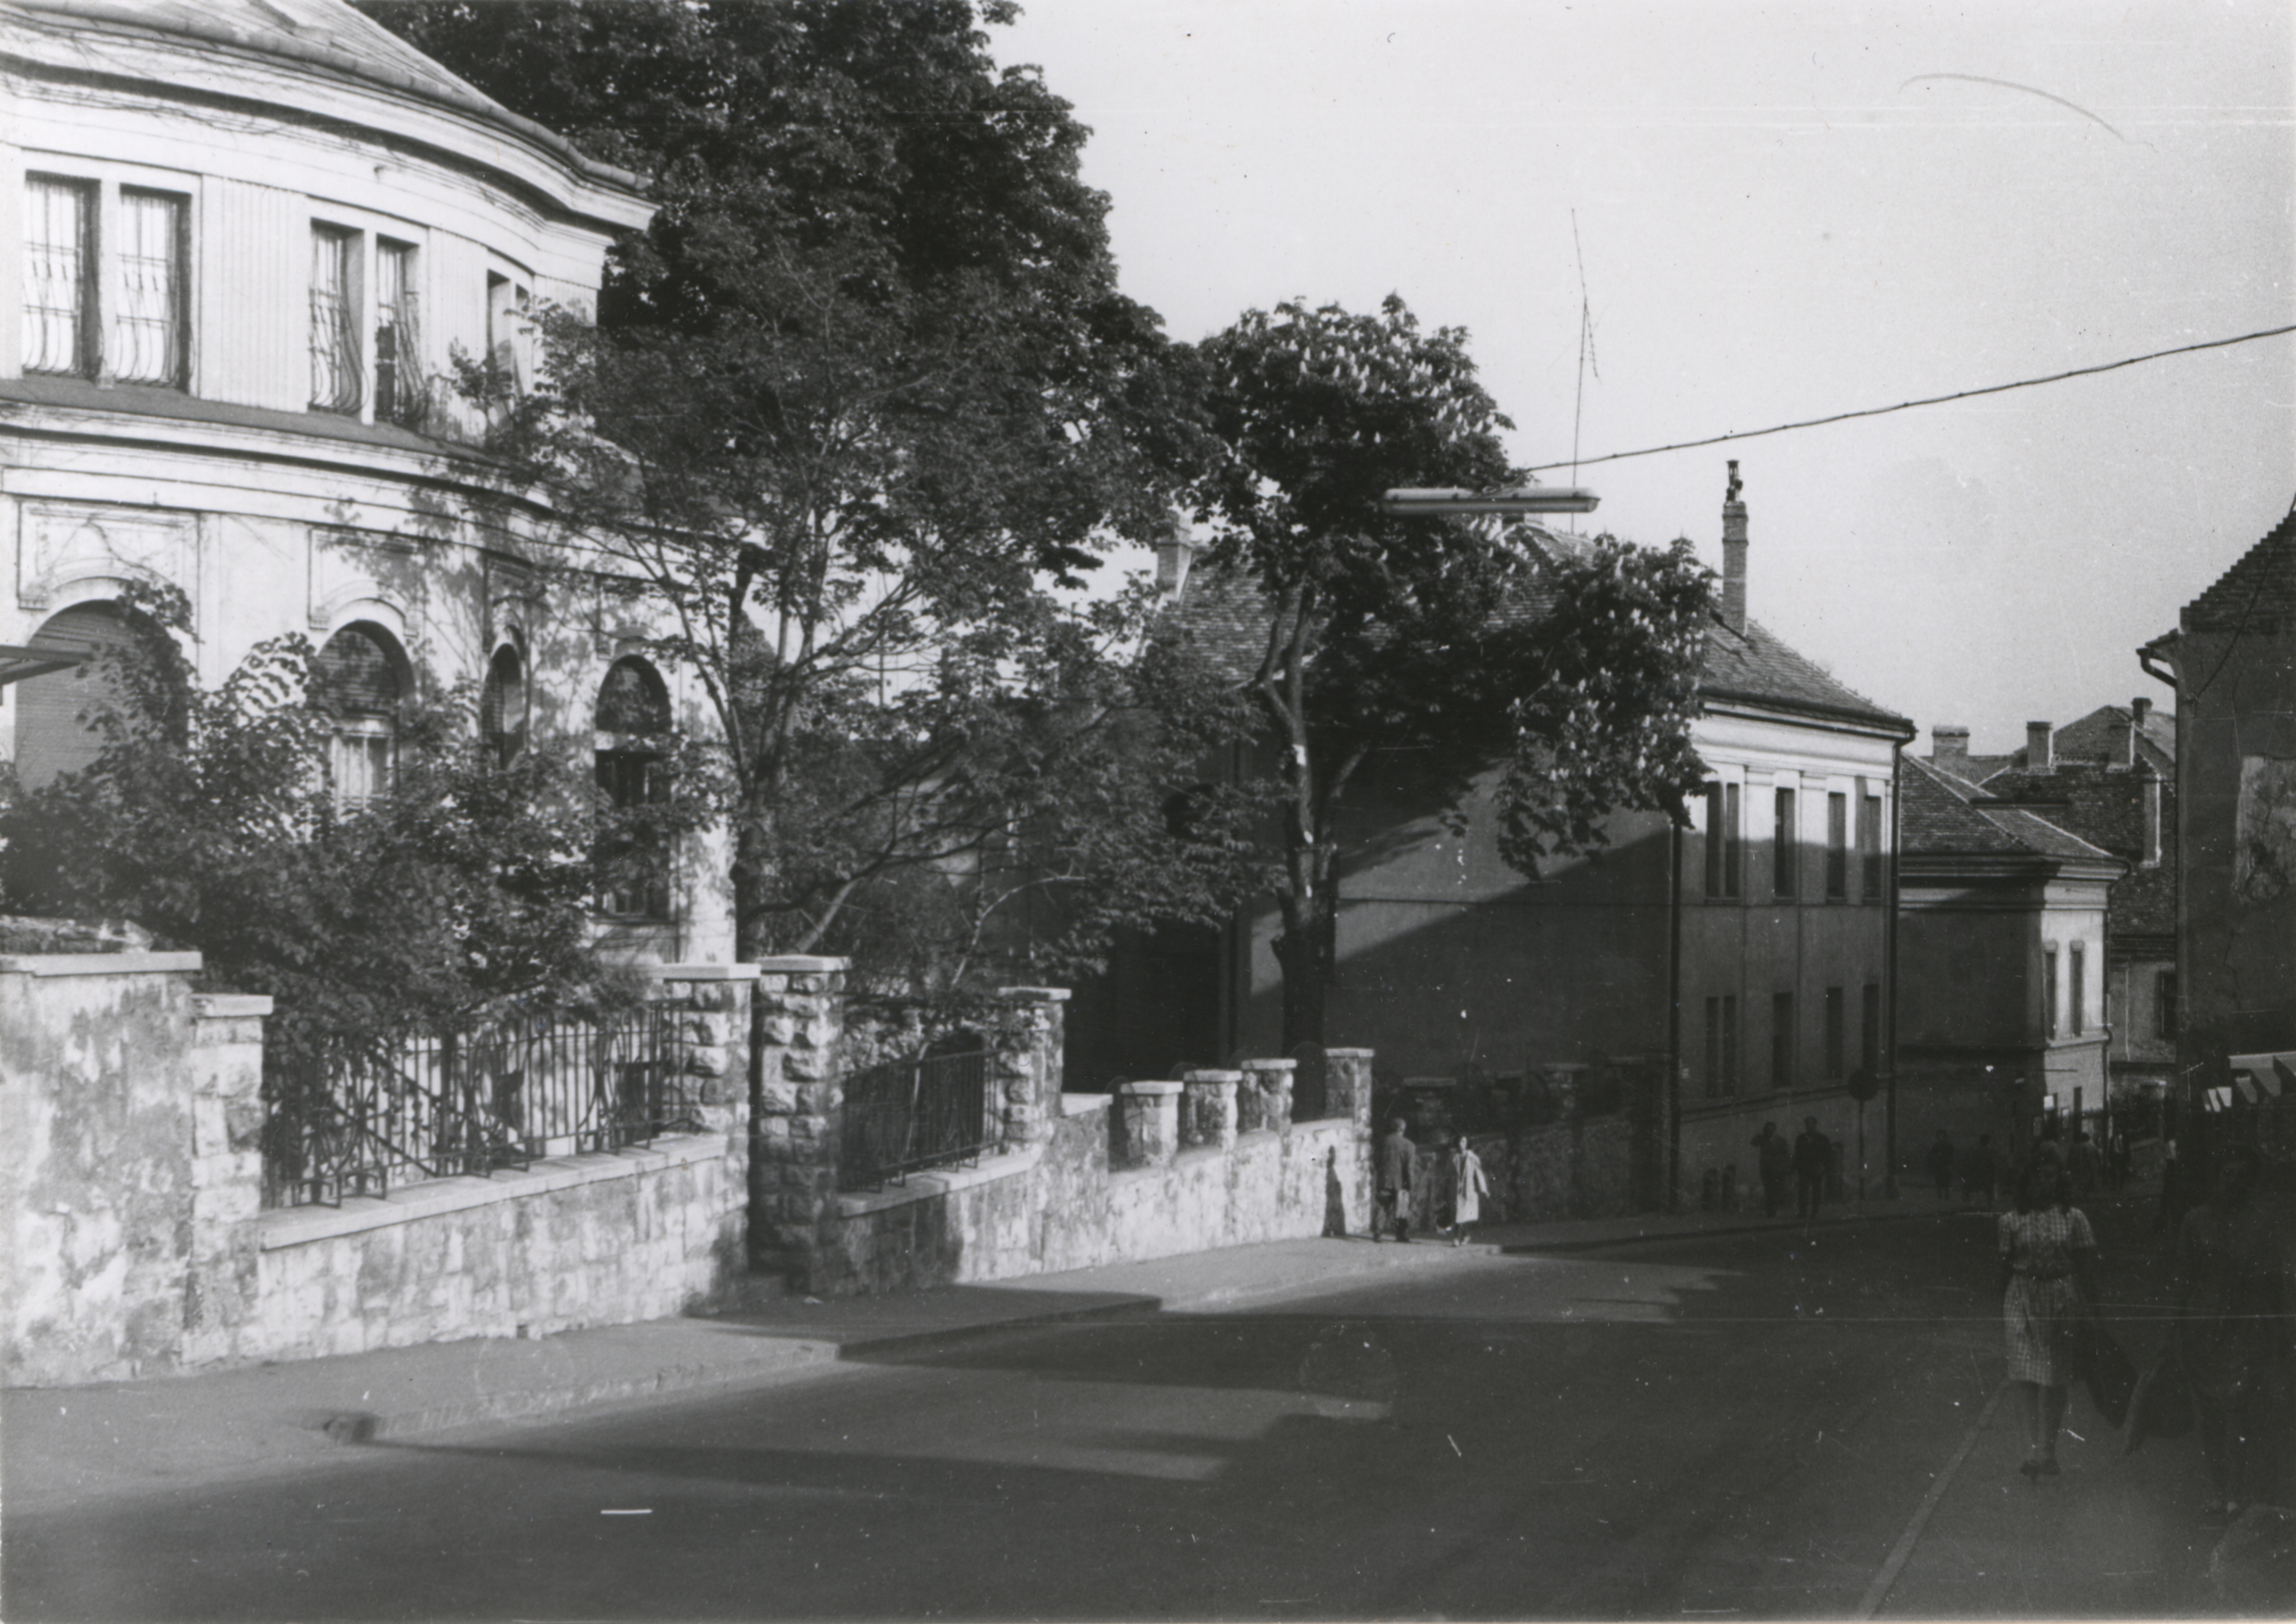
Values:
[(1889, 972), (1673, 1200)]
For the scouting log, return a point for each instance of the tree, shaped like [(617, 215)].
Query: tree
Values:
[(1444, 638), (858, 409), (207, 818)]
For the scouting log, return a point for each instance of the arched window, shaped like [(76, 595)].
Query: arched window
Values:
[(502, 706), (359, 680), (55, 713), (633, 725)]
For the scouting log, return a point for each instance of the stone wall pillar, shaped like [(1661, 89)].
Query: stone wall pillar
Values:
[(1212, 1100), (1348, 1085), (1024, 1061), (797, 1101), (222, 1288), (1151, 1122), (1271, 1081), (712, 1006)]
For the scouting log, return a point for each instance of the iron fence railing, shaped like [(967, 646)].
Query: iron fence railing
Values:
[(906, 1115), (473, 1102)]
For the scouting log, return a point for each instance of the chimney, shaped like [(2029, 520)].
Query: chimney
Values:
[(2119, 742), (1174, 554), (2039, 756), (2139, 708), (1734, 554), (1950, 748)]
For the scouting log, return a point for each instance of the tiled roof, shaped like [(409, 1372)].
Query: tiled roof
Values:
[(1225, 616), (2262, 584), (1943, 815), (328, 32)]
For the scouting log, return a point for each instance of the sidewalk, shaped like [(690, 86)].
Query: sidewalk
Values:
[(119, 1437)]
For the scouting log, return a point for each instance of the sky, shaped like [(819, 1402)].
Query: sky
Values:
[(1773, 213)]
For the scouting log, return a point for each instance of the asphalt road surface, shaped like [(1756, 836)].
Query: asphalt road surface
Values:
[(1747, 1426)]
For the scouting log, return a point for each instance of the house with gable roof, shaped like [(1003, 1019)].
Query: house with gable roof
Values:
[(1742, 960)]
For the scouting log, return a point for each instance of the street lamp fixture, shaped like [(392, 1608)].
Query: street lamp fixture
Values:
[(1510, 501)]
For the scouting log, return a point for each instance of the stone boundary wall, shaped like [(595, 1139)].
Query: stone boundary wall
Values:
[(1062, 1197), (130, 1162)]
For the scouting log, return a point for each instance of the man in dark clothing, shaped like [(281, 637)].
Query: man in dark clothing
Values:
[(1941, 1163), (1396, 1153), (1773, 1160), (1813, 1153), (1978, 1171)]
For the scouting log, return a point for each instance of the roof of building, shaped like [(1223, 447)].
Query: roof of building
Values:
[(1227, 617), (2262, 585), (1945, 816), (327, 33)]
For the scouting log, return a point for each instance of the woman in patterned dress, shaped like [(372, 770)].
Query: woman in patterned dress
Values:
[(2047, 1257)]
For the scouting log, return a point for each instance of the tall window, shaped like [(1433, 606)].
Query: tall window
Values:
[(1837, 847), (1836, 1016), (356, 682), (2049, 992), (1722, 841), (58, 276), (58, 715), (337, 381), (503, 705), (1869, 844), (2077, 992), (399, 395), (1782, 1040), (2164, 1003), (634, 723), (147, 329), (1869, 1039), (509, 331), (1787, 850)]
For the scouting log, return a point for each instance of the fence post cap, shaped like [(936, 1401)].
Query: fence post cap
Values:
[(1150, 1089), (1033, 995), (1214, 1076), (1268, 1065), (1347, 1054), (703, 972)]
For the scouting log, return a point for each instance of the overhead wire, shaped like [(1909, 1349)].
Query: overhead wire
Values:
[(1576, 462)]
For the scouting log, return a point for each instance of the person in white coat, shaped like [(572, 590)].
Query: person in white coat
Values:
[(1468, 1188)]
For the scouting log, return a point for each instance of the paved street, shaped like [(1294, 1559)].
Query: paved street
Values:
[(1744, 1425)]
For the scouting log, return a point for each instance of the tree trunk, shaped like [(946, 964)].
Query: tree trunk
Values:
[(751, 869), (1308, 950)]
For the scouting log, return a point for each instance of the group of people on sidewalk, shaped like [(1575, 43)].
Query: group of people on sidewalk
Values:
[(2229, 1348), (1807, 1163), (1453, 1199)]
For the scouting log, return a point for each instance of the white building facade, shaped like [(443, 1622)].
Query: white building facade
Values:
[(245, 243)]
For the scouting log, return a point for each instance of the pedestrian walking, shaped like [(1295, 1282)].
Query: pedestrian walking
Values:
[(1335, 1200), (1396, 1155), (1941, 1163), (1468, 1188), (2117, 1159), (1774, 1161), (1813, 1156), (1980, 1171), (2048, 1256), (2232, 1298)]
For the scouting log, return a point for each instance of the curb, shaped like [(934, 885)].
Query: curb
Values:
[(1762, 1226)]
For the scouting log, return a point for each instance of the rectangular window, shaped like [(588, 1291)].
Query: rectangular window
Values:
[(1730, 1043), (338, 383), (147, 329), (1836, 1014), (360, 760), (1837, 847), (58, 276), (2049, 993), (634, 854), (1713, 1047), (1782, 1040), (508, 333), (2077, 992), (1869, 1040), (400, 396), (1734, 832), (1869, 846), (1786, 848), (2164, 1003), (1714, 852)]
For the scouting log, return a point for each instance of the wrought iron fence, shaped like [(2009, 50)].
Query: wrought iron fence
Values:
[(906, 1115), (469, 1102)]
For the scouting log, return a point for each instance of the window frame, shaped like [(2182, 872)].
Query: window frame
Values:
[(2164, 1003), (86, 313), (1872, 849), (1786, 838), (1837, 846), (2077, 988), (2050, 999), (174, 371)]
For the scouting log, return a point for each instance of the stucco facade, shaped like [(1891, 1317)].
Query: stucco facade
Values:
[(245, 245)]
